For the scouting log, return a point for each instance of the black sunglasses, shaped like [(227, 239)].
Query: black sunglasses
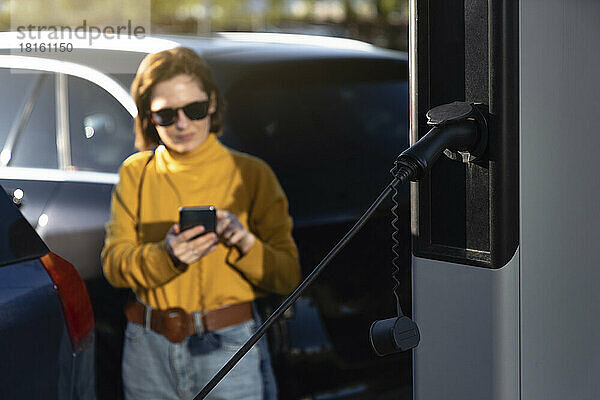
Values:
[(168, 116)]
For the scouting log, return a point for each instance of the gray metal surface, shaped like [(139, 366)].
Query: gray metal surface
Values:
[(75, 230), (36, 196), (560, 188), (469, 323), (63, 137)]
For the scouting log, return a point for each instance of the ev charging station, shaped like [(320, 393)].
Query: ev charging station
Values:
[(505, 267)]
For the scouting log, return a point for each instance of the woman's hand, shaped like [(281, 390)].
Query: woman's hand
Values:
[(184, 250), (232, 233)]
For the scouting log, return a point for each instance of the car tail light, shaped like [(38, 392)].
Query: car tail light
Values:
[(74, 298)]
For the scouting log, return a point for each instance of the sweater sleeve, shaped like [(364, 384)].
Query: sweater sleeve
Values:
[(127, 263), (272, 262)]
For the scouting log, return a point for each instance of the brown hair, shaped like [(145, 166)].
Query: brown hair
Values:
[(162, 66)]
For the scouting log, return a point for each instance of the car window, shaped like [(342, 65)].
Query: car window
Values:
[(35, 145), (14, 88), (101, 129), (331, 144)]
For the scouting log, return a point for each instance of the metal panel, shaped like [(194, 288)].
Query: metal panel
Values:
[(75, 228), (469, 323), (36, 196), (467, 50), (559, 199), (18, 240)]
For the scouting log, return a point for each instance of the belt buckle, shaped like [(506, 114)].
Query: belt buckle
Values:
[(198, 322), (175, 324)]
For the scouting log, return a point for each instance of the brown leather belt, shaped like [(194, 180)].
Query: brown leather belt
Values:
[(175, 324)]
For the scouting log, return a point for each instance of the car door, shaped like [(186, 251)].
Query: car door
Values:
[(100, 134), (28, 139), (100, 138)]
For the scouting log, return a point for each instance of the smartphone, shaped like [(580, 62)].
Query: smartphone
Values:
[(203, 215)]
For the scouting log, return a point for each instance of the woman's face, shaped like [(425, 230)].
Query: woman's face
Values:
[(184, 134)]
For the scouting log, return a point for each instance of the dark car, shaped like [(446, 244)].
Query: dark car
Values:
[(46, 319), (328, 115)]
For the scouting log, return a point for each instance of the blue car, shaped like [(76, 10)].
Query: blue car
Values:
[(46, 319)]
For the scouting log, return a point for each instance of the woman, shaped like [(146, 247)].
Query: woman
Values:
[(194, 295)]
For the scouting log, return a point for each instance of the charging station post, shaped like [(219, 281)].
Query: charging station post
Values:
[(504, 261)]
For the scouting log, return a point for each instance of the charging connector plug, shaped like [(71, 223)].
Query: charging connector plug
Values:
[(459, 130)]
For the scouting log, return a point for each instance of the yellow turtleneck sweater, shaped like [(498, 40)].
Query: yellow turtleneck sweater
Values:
[(134, 253)]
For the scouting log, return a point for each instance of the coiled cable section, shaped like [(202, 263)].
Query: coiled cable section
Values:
[(403, 171), (396, 242)]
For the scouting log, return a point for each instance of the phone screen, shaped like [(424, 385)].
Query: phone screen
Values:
[(193, 216)]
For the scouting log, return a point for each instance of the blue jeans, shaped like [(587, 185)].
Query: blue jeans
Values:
[(155, 368)]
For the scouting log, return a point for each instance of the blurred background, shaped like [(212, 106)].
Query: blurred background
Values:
[(380, 22)]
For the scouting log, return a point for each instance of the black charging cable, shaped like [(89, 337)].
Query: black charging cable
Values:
[(456, 127), (459, 130), (399, 333)]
